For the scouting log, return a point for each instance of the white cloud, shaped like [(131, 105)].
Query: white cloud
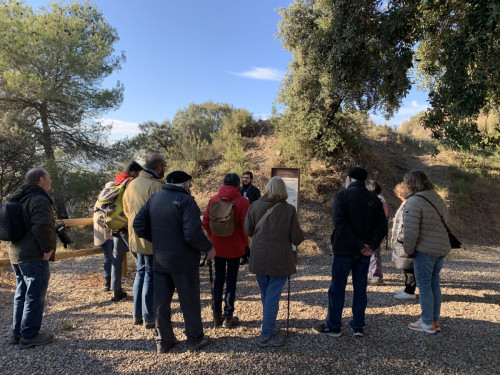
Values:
[(412, 110), (119, 127), (268, 74)]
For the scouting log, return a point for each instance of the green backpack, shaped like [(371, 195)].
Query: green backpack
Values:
[(110, 203)]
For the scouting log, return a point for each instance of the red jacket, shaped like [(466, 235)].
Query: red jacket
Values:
[(233, 246), (120, 178)]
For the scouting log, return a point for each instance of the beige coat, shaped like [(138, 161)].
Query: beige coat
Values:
[(423, 230), (136, 195)]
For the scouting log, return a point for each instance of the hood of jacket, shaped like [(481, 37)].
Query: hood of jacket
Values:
[(232, 192), (121, 177), (27, 189)]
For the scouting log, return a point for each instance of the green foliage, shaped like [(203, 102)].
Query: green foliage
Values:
[(347, 55), (189, 153), (460, 64)]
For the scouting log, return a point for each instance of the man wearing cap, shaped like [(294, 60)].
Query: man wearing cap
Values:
[(360, 226), (171, 221)]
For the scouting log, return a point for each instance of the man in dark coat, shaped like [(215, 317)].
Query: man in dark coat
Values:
[(252, 193), (29, 257), (360, 225), (171, 221)]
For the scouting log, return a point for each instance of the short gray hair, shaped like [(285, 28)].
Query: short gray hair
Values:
[(34, 175), (276, 189)]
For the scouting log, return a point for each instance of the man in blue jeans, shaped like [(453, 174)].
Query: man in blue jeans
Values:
[(360, 226), (29, 257)]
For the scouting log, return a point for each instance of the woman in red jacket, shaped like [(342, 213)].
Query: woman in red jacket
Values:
[(228, 250)]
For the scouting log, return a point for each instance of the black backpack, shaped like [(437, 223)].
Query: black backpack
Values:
[(12, 223)]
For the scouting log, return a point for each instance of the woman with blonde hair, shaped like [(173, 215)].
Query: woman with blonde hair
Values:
[(399, 257), (425, 238), (273, 225)]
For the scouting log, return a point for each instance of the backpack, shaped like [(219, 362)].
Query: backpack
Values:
[(12, 224), (221, 215), (110, 203)]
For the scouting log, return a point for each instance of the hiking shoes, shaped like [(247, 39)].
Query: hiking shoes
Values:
[(419, 325), (107, 285), (357, 332), (14, 339), (149, 324), (39, 340), (271, 341), (324, 330), (163, 347), (404, 295), (118, 295), (192, 347), (230, 322), (137, 321)]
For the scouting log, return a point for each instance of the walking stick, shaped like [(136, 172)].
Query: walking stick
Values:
[(288, 309)]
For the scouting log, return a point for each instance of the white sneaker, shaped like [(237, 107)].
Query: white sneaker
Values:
[(399, 292), (405, 295), (419, 325)]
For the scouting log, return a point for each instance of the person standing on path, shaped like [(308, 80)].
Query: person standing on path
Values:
[(360, 225), (249, 191)]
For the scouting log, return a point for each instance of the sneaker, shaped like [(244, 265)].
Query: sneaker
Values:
[(199, 345), (357, 332), (14, 339), (437, 326), (137, 321), (405, 295), (419, 325), (399, 292), (162, 347), (323, 329), (149, 324), (38, 340), (118, 295), (230, 322), (271, 341)]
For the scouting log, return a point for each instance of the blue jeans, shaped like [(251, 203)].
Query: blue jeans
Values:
[(107, 250), (226, 270), (143, 287), (120, 247), (427, 269), (270, 292), (32, 281), (341, 267)]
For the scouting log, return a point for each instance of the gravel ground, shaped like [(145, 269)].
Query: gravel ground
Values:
[(96, 336)]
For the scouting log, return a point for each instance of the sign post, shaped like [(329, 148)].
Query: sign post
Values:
[(291, 177)]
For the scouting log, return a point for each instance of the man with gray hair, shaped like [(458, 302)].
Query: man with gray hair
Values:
[(29, 257), (138, 192)]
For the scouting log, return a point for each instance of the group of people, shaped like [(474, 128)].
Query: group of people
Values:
[(168, 238)]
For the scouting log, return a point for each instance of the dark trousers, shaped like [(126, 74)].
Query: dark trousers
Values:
[(410, 282), (226, 270), (341, 267), (188, 290)]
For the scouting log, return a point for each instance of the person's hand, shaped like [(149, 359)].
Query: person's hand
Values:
[(367, 251), (210, 255), (46, 256)]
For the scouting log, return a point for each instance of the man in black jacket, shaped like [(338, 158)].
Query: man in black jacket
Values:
[(29, 257), (360, 226), (171, 221), (252, 193)]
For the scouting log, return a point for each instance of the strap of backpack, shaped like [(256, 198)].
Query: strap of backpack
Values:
[(268, 212), (440, 216)]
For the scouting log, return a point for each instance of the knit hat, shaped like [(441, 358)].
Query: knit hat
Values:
[(178, 177), (358, 173)]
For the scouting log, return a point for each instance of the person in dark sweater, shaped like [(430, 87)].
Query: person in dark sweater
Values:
[(252, 193), (360, 225)]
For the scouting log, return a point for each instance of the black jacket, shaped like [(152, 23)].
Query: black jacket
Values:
[(358, 219), (171, 221), (39, 217), (253, 193)]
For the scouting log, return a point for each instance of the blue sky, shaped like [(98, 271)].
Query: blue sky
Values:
[(192, 51)]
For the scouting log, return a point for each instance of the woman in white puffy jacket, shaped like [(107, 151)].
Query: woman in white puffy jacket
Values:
[(425, 238)]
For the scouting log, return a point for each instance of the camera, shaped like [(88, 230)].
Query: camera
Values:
[(63, 236)]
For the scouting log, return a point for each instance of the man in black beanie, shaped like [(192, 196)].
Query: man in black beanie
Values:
[(171, 221), (360, 225)]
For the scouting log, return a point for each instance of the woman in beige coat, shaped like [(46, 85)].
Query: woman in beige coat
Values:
[(425, 238), (273, 225)]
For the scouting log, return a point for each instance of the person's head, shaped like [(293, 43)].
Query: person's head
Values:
[(401, 191), (231, 179), (179, 178), (417, 180), (373, 187), (156, 162), (355, 174), (276, 189), (40, 177), (132, 169), (247, 178)]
